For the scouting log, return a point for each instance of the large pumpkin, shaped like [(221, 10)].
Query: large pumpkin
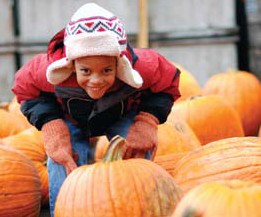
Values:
[(231, 158), (30, 142), (116, 187), (231, 198), (20, 193), (243, 91), (210, 117)]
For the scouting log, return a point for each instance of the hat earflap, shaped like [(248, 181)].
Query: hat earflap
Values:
[(127, 74), (59, 71)]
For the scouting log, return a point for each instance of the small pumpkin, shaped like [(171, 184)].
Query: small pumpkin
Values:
[(210, 117), (243, 91), (20, 193), (226, 198), (30, 142), (116, 187), (230, 158)]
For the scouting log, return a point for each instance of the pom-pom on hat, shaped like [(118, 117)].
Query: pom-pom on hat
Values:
[(91, 31)]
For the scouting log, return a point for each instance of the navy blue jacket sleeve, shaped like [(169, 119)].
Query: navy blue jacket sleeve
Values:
[(157, 104), (42, 110)]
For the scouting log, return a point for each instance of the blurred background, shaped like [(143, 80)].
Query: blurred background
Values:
[(204, 36)]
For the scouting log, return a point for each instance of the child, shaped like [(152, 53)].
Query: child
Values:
[(92, 83)]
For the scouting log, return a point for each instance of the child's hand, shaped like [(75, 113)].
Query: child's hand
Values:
[(57, 144), (142, 137)]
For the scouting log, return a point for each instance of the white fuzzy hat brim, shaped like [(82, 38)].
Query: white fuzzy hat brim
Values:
[(86, 44)]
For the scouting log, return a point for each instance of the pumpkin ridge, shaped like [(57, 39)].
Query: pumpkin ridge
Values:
[(20, 192), (225, 172), (108, 171), (95, 169), (22, 174), (253, 154), (135, 181), (10, 160), (90, 177), (208, 147), (73, 196), (158, 193), (217, 161), (157, 188), (151, 170)]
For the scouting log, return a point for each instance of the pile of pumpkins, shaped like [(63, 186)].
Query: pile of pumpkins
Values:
[(208, 161)]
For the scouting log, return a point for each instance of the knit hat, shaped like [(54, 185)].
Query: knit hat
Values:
[(93, 30)]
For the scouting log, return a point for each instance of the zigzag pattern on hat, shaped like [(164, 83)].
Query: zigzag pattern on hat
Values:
[(97, 24)]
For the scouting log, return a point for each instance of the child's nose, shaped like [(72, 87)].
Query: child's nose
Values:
[(95, 78)]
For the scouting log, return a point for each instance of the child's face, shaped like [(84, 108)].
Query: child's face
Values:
[(96, 74)]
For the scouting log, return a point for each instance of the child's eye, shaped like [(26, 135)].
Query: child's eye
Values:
[(108, 70), (85, 71)]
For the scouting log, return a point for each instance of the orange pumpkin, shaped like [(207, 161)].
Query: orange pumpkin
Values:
[(243, 91), (259, 132), (10, 124), (30, 142), (176, 138), (188, 84), (231, 158), (116, 187), (210, 117), (224, 198), (20, 193)]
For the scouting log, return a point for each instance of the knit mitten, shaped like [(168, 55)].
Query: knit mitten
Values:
[(142, 137), (57, 144)]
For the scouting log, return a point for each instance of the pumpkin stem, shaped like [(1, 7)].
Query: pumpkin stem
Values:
[(114, 151)]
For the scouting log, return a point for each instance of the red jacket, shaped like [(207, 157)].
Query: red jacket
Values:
[(160, 78), (157, 74)]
